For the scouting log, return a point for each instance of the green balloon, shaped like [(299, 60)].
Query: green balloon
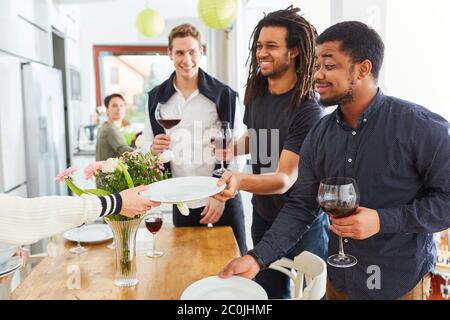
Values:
[(149, 23), (217, 14)]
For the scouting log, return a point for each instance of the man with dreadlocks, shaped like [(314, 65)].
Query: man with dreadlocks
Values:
[(280, 111)]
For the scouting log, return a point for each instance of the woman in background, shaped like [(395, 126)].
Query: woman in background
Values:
[(110, 141)]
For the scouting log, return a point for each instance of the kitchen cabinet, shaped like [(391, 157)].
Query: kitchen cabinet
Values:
[(28, 29)]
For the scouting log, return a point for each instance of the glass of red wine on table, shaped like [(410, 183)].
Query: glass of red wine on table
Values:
[(153, 223), (222, 140), (339, 197)]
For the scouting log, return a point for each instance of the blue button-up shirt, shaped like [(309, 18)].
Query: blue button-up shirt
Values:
[(400, 158)]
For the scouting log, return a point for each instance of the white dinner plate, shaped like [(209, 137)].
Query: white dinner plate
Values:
[(10, 266), (215, 288), (93, 233), (182, 189), (7, 251)]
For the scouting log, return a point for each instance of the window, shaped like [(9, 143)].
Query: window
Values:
[(114, 75), (131, 71)]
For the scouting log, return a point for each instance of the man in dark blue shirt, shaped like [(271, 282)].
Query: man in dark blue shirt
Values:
[(399, 154)]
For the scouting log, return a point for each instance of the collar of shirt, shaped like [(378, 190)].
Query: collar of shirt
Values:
[(364, 118), (192, 96)]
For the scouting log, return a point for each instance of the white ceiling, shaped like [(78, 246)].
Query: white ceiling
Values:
[(123, 9)]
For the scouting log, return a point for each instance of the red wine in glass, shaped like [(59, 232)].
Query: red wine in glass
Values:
[(154, 225), (222, 143), (339, 197), (338, 209), (168, 115), (222, 140), (168, 123)]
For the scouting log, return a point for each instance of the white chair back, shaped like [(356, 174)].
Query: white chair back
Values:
[(306, 266)]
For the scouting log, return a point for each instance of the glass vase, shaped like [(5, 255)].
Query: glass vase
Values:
[(125, 250)]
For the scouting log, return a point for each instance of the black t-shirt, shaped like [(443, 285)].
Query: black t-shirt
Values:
[(274, 118)]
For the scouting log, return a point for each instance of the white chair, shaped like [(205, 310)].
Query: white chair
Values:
[(32, 261), (306, 266)]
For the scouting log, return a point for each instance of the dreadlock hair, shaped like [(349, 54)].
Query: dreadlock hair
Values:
[(300, 34)]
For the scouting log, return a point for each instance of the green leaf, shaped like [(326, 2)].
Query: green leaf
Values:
[(128, 136), (98, 192), (74, 188), (127, 175)]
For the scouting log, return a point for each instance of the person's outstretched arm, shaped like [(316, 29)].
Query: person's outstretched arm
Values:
[(25, 221), (277, 182)]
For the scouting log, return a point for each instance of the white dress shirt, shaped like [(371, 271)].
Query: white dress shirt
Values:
[(190, 139)]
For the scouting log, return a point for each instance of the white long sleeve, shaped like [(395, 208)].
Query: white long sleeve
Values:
[(25, 221)]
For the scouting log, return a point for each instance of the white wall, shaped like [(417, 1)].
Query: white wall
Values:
[(416, 34), (417, 49)]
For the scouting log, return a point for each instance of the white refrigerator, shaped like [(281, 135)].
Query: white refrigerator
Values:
[(32, 129), (13, 178), (45, 142)]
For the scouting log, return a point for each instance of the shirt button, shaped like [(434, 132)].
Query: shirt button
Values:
[(346, 240), (354, 133), (350, 160)]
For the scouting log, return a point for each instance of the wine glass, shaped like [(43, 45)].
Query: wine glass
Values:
[(153, 222), (168, 115), (79, 248), (222, 140), (339, 197)]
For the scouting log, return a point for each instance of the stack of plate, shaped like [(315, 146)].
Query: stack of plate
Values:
[(9, 266)]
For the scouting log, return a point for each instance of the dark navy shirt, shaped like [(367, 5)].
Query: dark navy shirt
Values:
[(400, 158), (274, 125)]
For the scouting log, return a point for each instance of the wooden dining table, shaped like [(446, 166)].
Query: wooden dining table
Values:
[(190, 254)]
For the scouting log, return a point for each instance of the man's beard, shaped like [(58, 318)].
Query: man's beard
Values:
[(277, 71), (346, 97)]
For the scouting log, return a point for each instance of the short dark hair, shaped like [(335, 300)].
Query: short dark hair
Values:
[(108, 99), (359, 41), (183, 31)]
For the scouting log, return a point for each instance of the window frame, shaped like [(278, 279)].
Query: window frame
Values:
[(118, 49)]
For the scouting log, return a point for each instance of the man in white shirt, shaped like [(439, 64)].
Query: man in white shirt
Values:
[(204, 100)]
